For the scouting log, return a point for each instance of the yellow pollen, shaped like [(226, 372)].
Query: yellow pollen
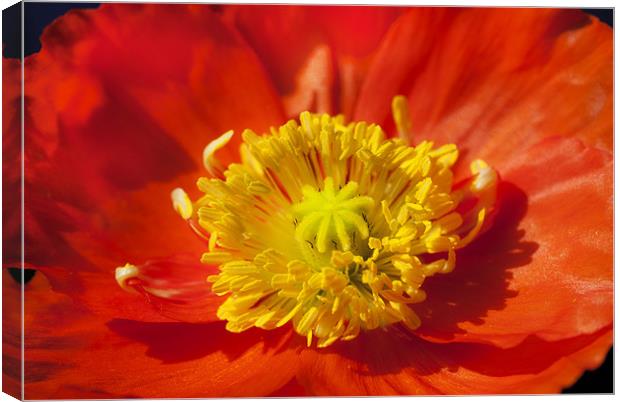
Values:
[(330, 226)]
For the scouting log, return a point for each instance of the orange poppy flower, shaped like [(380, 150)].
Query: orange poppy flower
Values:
[(496, 279)]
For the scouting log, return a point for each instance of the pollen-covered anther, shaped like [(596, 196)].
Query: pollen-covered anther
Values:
[(331, 227)]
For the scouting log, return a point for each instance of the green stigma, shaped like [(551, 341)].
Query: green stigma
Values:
[(332, 218)]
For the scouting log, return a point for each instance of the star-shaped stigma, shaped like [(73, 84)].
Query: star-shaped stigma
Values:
[(332, 215)]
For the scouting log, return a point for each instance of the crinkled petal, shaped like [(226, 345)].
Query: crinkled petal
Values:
[(172, 360), (71, 352), (120, 102), (545, 267), (393, 362), (494, 80)]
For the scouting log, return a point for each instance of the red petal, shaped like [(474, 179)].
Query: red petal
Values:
[(121, 231), (11, 162), (71, 353), (133, 133), (193, 81), (11, 336), (173, 360), (492, 80), (52, 323), (290, 389), (174, 287), (119, 104), (545, 268), (317, 56), (392, 362)]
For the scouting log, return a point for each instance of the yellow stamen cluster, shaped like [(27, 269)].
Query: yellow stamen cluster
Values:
[(329, 226)]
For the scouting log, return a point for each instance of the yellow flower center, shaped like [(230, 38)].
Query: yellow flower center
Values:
[(332, 226)]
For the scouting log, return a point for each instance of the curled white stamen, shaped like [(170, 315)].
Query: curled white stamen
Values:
[(486, 176), (210, 162), (124, 273), (485, 183), (181, 203)]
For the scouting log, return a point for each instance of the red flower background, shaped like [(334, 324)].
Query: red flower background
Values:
[(121, 100)]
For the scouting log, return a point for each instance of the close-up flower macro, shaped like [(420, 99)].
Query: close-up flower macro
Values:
[(285, 200)]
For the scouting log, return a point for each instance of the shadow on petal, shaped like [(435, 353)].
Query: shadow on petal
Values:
[(395, 362), (480, 282), (175, 342)]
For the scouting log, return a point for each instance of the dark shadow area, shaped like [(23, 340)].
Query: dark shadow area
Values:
[(393, 350), (480, 280), (16, 274), (36, 17), (12, 31), (599, 381), (532, 356), (174, 342), (606, 15)]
